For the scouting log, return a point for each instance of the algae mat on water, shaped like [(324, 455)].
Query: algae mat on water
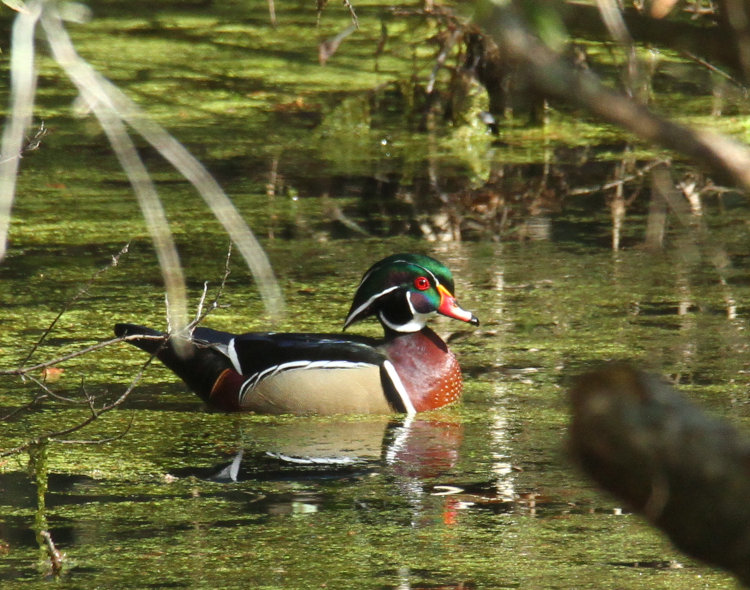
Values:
[(477, 496)]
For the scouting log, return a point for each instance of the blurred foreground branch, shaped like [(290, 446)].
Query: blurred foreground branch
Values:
[(687, 473), (555, 76), (117, 114)]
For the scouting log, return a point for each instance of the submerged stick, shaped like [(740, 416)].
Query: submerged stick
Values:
[(56, 558), (686, 472)]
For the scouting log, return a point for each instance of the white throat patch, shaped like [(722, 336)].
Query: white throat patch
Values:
[(417, 322)]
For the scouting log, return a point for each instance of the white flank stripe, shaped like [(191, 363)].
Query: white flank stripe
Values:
[(255, 379), (342, 460), (232, 354), (396, 380)]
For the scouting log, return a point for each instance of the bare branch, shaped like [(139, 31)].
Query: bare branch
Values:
[(350, 6), (60, 359), (98, 441), (56, 558), (90, 400), (96, 414), (555, 77), (82, 291), (200, 315), (639, 174), (39, 398), (48, 392)]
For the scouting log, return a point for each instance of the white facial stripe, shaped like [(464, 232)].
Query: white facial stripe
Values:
[(415, 324), (367, 275), (418, 321), (411, 307), (399, 386), (429, 272), (367, 303)]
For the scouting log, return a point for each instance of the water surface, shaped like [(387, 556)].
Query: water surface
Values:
[(481, 495)]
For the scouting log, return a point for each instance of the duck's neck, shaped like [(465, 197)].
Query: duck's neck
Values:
[(427, 368)]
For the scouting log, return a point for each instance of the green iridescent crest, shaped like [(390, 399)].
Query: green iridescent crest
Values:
[(401, 285)]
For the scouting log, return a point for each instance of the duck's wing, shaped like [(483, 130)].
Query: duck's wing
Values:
[(309, 374)]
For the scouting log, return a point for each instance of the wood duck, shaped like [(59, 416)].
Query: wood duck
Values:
[(409, 370)]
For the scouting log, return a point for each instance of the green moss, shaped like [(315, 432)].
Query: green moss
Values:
[(141, 511)]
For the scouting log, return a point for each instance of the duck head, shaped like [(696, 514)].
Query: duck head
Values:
[(404, 291)]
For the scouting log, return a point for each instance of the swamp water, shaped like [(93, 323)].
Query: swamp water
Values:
[(480, 495)]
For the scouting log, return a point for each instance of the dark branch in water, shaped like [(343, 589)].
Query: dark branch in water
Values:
[(687, 473), (639, 174), (56, 558)]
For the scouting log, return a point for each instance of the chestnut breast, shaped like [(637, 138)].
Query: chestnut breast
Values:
[(427, 368)]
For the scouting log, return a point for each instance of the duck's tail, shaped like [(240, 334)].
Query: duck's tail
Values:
[(197, 363)]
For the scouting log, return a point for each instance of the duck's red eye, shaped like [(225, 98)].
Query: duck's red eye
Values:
[(422, 283)]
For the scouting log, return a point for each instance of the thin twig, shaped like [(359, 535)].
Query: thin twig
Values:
[(39, 397), (31, 144), (82, 291), (90, 399), (60, 359), (98, 441), (201, 301), (355, 20), (43, 386), (712, 68), (442, 56), (200, 314), (55, 436), (637, 175)]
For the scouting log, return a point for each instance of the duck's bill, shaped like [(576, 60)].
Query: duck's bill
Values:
[(450, 307)]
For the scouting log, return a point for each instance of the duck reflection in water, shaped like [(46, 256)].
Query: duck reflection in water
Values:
[(409, 452)]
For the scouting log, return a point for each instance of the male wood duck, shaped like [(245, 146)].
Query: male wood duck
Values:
[(409, 370)]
